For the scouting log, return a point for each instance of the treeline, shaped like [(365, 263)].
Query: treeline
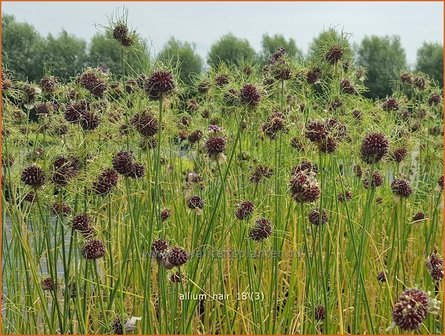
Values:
[(29, 55)]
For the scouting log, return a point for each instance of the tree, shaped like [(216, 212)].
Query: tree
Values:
[(231, 50), (63, 56), (104, 50), (184, 56), (384, 58), (20, 46), (430, 61), (270, 44)]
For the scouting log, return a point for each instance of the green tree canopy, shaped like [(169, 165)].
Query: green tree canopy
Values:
[(63, 56), (231, 50), (270, 44), (384, 58), (183, 55), (430, 61), (104, 50), (21, 45)]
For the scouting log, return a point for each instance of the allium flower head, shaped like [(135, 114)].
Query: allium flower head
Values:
[(401, 188), (107, 179), (177, 256), (390, 104), (165, 214), (411, 309), (260, 172), (145, 123), (93, 249), (434, 263), (82, 223), (304, 187), (49, 84), (376, 180), (399, 154), (61, 209), (313, 75), (33, 176), (334, 54), (249, 95), (159, 248), (314, 217), (261, 230), (320, 313), (244, 210), (123, 163), (159, 84), (215, 146), (374, 147), (93, 81), (48, 284), (195, 203), (440, 182)]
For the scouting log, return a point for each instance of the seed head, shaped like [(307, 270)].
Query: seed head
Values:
[(314, 217), (145, 123), (261, 230), (374, 147), (195, 202), (93, 249), (401, 188), (334, 54), (107, 179), (159, 84), (411, 309), (376, 180), (249, 95), (177, 256), (244, 210), (33, 176), (48, 284), (434, 263)]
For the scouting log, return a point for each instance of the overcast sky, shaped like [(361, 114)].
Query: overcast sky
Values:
[(204, 23)]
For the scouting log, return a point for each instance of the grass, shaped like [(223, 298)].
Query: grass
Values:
[(236, 285)]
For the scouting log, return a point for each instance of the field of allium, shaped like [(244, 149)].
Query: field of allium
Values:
[(275, 200)]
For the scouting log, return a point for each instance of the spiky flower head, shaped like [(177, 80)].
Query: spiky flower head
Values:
[(334, 54), (374, 147), (48, 284), (123, 162), (74, 111), (315, 218), (434, 263), (195, 136), (177, 256), (440, 182), (381, 277), (159, 84), (244, 210), (145, 123), (89, 121), (399, 154), (82, 223), (249, 95), (159, 248), (215, 147), (401, 188), (106, 181), (376, 179), (195, 203), (93, 80), (313, 75), (304, 187), (411, 309), (345, 196), (165, 214), (390, 104), (434, 99), (33, 176), (419, 216), (49, 84), (93, 249), (261, 230)]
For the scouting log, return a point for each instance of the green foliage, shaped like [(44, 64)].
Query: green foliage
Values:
[(270, 44), (183, 55), (21, 45), (231, 50), (430, 61), (384, 58), (63, 56), (104, 50)]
